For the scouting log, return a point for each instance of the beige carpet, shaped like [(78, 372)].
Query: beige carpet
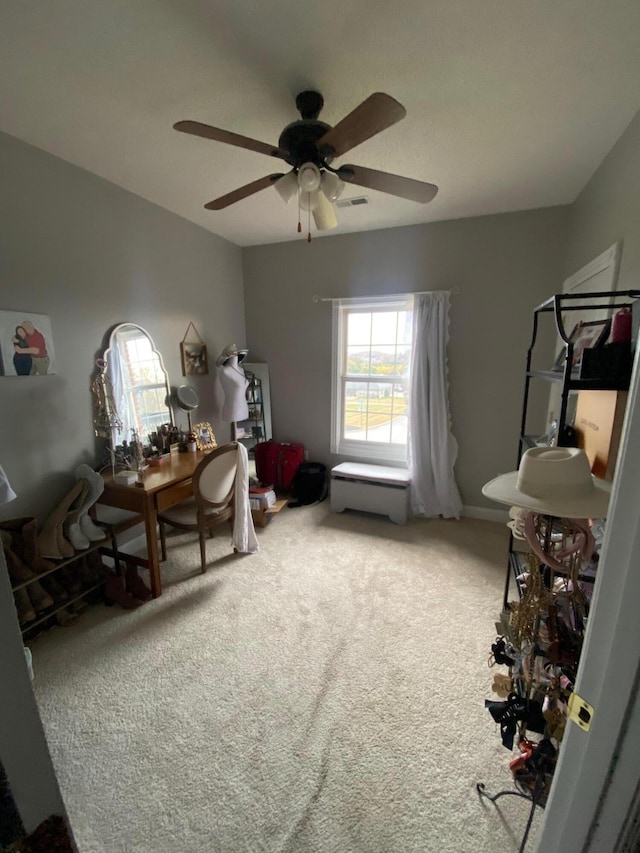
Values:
[(323, 696)]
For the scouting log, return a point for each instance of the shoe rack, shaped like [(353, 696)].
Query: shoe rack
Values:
[(73, 596)]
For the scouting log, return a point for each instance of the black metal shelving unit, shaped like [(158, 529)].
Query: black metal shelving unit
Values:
[(254, 426), (568, 379)]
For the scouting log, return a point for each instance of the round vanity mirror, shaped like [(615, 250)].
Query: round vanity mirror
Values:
[(187, 400)]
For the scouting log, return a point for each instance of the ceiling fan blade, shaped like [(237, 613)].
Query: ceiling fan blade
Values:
[(378, 112), (196, 128), (242, 192), (387, 183)]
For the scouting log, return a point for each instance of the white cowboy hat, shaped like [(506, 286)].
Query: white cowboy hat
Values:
[(228, 351), (554, 481)]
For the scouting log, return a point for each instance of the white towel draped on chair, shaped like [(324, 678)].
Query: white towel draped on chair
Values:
[(244, 535)]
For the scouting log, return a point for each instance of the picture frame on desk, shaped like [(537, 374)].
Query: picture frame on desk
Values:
[(205, 439), (585, 335)]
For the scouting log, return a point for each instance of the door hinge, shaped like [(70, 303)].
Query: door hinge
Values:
[(580, 712)]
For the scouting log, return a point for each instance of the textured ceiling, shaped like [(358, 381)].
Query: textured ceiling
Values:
[(510, 105)]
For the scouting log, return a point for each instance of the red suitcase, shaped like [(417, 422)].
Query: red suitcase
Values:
[(277, 463)]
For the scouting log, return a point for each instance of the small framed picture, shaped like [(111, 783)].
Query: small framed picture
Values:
[(205, 439), (585, 335), (193, 355)]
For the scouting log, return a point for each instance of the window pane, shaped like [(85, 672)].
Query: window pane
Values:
[(405, 327), (355, 410), (403, 360), (383, 360), (375, 411), (399, 429), (359, 329), (384, 326), (358, 359)]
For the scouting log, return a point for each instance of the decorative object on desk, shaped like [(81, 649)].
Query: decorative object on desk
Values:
[(556, 481), (205, 439), (126, 477), (585, 335), (26, 344), (193, 354), (105, 418)]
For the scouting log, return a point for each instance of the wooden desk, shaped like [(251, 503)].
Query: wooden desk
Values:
[(162, 487)]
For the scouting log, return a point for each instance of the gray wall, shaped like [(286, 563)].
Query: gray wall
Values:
[(89, 255), (503, 266), (608, 209)]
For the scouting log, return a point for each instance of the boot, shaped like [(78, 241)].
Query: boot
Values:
[(95, 485), (51, 541), (69, 580), (54, 589), (72, 525), (20, 574), (24, 608), (96, 567), (87, 573), (135, 585), (24, 534), (116, 593)]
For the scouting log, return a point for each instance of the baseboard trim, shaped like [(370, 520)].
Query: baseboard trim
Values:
[(485, 514)]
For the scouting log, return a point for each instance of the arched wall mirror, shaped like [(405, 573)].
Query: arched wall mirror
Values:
[(139, 381)]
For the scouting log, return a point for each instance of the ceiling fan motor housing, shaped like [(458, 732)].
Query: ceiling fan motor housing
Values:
[(299, 139)]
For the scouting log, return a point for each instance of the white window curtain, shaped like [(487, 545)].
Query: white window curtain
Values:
[(432, 448), (121, 398)]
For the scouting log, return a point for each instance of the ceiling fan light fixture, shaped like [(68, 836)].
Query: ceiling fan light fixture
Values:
[(308, 177), (331, 185), (309, 201), (287, 186), (324, 214)]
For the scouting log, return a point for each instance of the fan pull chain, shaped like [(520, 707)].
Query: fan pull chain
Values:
[(299, 223), (309, 223)]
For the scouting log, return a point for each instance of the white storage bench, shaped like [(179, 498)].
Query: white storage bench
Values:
[(372, 488)]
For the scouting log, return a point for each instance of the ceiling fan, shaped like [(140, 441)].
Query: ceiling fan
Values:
[(309, 147)]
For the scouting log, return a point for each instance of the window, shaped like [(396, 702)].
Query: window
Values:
[(372, 355)]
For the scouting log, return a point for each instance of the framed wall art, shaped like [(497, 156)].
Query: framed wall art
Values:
[(193, 354), (26, 344)]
